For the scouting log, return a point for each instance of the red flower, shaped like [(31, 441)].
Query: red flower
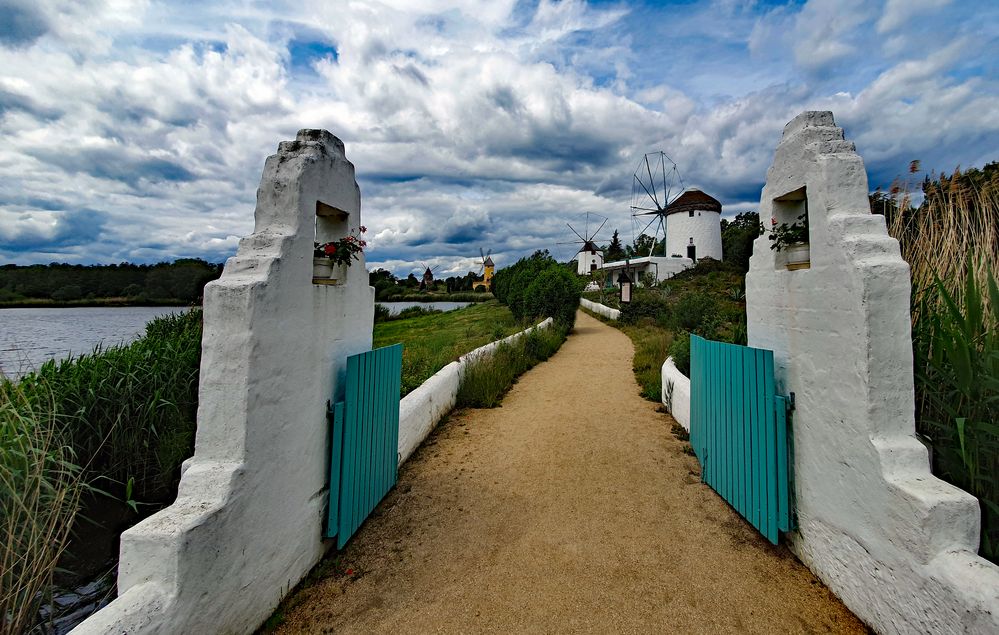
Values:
[(329, 249)]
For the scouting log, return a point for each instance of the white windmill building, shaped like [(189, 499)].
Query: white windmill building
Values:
[(589, 257), (684, 225)]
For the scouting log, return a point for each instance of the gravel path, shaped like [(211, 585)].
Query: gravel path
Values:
[(571, 508)]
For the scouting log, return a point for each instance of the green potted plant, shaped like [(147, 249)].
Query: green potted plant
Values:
[(792, 239), (331, 259)]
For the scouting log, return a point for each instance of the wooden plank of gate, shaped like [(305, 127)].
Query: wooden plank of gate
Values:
[(783, 480), (336, 462), (769, 391), (759, 453)]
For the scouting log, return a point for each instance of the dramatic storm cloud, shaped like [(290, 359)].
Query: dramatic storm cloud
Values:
[(136, 129)]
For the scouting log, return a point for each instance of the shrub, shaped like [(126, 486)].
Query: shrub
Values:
[(382, 313), (553, 293), (697, 312), (679, 350), (652, 306)]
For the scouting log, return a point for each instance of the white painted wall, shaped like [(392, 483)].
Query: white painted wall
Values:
[(677, 401), (661, 268), (423, 408), (895, 543), (600, 309), (586, 258), (704, 228), (247, 522)]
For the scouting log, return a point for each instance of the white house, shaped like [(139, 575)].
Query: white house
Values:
[(693, 230)]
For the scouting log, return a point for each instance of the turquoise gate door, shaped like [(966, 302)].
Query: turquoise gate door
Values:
[(364, 440), (739, 431)]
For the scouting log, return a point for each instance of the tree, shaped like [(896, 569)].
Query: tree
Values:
[(738, 235), (642, 246), (615, 250)]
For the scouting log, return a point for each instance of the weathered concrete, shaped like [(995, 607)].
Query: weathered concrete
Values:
[(895, 543), (247, 522), (676, 393)]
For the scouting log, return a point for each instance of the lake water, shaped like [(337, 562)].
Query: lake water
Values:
[(396, 307), (29, 337)]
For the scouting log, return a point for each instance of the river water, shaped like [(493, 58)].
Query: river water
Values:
[(29, 337)]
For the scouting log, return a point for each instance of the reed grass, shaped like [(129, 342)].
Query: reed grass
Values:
[(951, 242), (130, 410), (40, 488)]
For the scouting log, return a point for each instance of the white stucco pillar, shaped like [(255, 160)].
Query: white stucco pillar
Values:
[(247, 522), (895, 543)]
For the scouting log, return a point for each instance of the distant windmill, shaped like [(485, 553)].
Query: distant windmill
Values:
[(588, 255), (486, 268), (428, 277)]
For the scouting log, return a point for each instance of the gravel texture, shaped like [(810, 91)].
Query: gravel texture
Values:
[(571, 508)]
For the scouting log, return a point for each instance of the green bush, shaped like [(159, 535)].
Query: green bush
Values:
[(553, 293), (697, 312), (679, 350), (645, 305)]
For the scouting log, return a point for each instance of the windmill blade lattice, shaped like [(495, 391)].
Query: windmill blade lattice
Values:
[(655, 185), (582, 239)]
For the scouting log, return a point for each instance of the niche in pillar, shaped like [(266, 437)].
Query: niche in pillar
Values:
[(332, 223), (791, 209)]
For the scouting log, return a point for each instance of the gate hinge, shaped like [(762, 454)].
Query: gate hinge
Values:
[(790, 402)]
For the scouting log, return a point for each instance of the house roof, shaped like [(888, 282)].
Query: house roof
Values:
[(589, 245), (489, 262), (694, 199)]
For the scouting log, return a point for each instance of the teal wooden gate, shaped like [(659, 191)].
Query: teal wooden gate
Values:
[(739, 431), (364, 440)]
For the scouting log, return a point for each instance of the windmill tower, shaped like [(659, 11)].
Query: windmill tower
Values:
[(588, 256), (427, 282), (486, 269)]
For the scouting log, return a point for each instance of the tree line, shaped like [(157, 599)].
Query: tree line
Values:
[(179, 282)]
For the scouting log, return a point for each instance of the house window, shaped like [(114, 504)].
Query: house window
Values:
[(691, 213), (593, 266)]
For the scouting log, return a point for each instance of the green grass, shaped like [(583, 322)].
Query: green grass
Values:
[(40, 487), (708, 300), (488, 378), (430, 342)]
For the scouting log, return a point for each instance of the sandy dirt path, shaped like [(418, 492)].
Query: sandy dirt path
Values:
[(572, 508)]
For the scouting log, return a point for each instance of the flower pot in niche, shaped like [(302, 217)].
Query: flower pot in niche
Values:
[(338, 274), (321, 268), (798, 256)]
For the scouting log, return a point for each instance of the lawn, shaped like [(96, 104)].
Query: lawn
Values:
[(430, 342)]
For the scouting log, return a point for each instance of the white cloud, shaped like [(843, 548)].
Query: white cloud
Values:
[(485, 125)]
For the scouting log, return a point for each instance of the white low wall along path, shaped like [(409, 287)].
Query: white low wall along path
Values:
[(600, 309), (423, 408), (676, 393)]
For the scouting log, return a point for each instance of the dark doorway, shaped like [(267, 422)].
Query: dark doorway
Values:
[(692, 252)]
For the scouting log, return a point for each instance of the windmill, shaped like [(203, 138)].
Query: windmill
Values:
[(588, 256), (427, 282), (486, 268), (655, 185)]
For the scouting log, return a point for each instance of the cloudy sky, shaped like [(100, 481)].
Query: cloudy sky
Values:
[(136, 130)]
